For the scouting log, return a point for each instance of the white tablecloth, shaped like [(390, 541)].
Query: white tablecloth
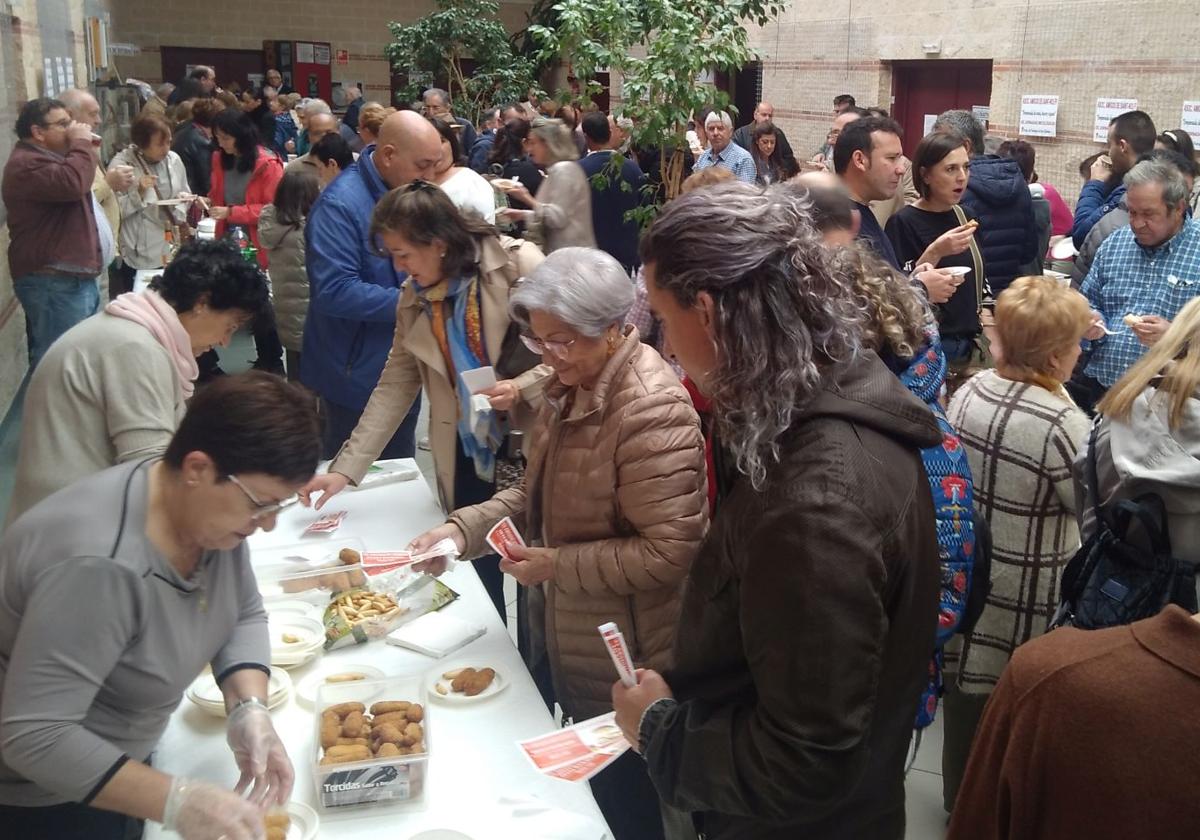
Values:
[(474, 763)]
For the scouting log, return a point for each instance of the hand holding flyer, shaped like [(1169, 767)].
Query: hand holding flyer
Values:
[(578, 752), (503, 534)]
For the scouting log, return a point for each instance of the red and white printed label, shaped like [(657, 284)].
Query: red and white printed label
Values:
[(504, 534)]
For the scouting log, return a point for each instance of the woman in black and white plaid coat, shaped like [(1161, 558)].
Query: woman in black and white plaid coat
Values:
[(1021, 431)]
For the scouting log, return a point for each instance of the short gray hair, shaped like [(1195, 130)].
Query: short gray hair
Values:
[(584, 287), (964, 123), (557, 137), (719, 116), (1174, 186), (442, 97), (316, 106)]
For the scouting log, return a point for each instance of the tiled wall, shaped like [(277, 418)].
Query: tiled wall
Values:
[(1143, 49), (359, 26)]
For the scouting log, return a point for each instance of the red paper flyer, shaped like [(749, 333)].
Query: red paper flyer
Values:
[(326, 524), (577, 753), (503, 534)]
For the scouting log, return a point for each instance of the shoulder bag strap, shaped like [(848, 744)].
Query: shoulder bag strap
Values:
[(1094, 472), (977, 258)]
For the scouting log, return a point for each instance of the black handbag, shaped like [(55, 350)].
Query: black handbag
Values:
[(1125, 571)]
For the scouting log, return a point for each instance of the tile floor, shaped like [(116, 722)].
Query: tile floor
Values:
[(926, 819)]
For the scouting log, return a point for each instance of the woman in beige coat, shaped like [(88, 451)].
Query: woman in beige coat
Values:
[(613, 503), (562, 212), (452, 317)]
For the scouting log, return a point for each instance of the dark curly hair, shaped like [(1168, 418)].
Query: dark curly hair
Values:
[(215, 273)]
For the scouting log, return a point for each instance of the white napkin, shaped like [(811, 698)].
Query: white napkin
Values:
[(435, 634)]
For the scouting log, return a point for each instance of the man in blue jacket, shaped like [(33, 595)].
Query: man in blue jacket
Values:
[(998, 197), (353, 292), (1130, 135), (615, 233)]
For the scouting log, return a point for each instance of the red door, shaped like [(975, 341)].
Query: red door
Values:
[(924, 88)]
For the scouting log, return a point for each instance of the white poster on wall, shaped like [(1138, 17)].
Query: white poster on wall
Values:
[(1108, 109), (1190, 121), (1039, 115), (51, 89), (930, 119), (320, 53), (304, 53)]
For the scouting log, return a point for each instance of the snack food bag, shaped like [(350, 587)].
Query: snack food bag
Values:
[(359, 615)]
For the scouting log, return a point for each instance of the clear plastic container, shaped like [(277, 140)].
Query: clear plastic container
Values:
[(389, 780), (294, 570)]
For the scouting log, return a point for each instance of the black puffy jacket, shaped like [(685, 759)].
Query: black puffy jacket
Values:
[(998, 197)]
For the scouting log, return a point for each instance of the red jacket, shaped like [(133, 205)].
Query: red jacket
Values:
[(51, 223), (268, 170)]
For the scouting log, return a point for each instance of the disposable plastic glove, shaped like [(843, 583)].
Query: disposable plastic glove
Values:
[(202, 811), (260, 755)]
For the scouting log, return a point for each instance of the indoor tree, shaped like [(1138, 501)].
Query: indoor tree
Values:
[(658, 49), (433, 48)]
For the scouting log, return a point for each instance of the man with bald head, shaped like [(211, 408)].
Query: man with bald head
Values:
[(353, 291), (765, 113), (84, 108), (319, 125)]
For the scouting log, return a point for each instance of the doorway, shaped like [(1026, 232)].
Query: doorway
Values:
[(231, 65), (924, 89)]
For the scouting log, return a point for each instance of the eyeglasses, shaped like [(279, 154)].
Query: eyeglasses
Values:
[(558, 349), (58, 124), (262, 511)]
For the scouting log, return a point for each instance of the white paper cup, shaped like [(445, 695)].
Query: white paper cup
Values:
[(206, 229)]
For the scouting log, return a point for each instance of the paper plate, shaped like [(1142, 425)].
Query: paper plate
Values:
[(204, 692), (292, 606), (307, 632), (306, 691), (499, 683), (503, 184), (305, 822), (955, 270)]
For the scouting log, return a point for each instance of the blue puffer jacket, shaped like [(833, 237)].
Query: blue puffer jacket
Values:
[(353, 293), (998, 197), (1096, 200)]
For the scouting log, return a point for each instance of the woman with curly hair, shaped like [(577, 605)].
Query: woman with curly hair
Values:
[(823, 537)]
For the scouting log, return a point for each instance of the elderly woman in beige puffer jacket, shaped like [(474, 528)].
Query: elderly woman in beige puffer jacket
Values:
[(613, 503)]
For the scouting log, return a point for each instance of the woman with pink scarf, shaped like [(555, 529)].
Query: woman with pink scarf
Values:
[(113, 388)]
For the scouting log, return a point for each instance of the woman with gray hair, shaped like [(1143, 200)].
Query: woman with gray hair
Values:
[(613, 504), (562, 212), (809, 614)]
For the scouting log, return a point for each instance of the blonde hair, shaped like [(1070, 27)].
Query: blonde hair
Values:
[(705, 178), (372, 115), (1037, 317), (1175, 358), (895, 311)]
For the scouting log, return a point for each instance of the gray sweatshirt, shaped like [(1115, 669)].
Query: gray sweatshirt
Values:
[(1145, 455), (100, 636)]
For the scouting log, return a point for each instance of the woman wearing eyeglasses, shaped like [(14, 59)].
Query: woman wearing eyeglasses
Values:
[(116, 593), (113, 388), (613, 504), (452, 317)]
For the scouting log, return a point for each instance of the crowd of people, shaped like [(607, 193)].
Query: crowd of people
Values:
[(823, 439)]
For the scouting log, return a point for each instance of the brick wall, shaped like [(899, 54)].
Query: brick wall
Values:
[(1078, 50), (359, 26)]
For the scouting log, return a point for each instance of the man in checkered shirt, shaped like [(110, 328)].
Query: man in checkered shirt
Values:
[(722, 152), (1142, 276)]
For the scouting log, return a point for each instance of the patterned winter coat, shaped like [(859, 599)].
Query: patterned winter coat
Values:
[(618, 486), (1021, 441), (950, 482)]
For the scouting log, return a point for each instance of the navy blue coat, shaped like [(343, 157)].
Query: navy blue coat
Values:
[(998, 197), (614, 233), (353, 292)]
